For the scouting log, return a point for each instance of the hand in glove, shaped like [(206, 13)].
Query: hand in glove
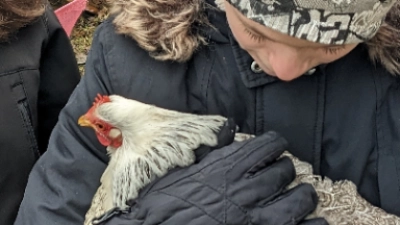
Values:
[(243, 183), (226, 135)]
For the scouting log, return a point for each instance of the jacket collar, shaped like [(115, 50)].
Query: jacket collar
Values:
[(221, 34), (250, 77)]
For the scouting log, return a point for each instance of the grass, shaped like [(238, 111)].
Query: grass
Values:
[(81, 37)]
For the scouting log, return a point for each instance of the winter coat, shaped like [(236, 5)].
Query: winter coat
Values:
[(38, 72), (344, 119)]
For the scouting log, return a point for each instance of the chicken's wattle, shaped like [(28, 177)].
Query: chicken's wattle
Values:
[(103, 139)]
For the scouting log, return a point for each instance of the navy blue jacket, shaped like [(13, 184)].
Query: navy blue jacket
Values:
[(344, 119)]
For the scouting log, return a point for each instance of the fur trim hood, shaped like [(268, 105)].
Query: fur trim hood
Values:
[(17, 14), (167, 29)]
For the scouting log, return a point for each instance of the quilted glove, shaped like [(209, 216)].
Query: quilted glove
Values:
[(242, 183)]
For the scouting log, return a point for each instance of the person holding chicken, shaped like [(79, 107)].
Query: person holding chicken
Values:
[(322, 74), (38, 72)]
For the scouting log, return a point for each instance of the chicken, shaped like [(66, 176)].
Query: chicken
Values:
[(145, 141)]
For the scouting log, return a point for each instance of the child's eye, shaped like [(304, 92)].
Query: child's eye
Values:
[(333, 50), (254, 36)]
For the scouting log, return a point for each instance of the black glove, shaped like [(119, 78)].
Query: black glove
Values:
[(226, 135), (242, 183)]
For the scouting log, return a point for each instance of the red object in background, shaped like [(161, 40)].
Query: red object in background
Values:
[(69, 14)]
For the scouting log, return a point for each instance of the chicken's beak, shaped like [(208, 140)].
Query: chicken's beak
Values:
[(84, 122)]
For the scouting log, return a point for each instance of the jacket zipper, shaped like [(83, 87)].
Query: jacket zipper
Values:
[(24, 110)]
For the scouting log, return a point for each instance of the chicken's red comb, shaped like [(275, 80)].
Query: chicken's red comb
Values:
[(101, 99)]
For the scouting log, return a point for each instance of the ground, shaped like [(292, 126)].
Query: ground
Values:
[(81, 37)]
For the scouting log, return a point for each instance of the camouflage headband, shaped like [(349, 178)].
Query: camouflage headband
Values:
[(321, 21)]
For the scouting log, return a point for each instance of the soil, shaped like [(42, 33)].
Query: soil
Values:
[(81, 37)]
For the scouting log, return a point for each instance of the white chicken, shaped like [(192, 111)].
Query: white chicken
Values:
[(145, 141)]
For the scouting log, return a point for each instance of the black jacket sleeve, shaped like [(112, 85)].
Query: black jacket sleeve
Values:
[(59, 75), (63, 181)]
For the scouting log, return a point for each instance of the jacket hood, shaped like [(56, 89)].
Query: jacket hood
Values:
[(171, 30), (17, 14)]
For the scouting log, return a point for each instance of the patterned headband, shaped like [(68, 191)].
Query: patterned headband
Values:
[(321, 21)]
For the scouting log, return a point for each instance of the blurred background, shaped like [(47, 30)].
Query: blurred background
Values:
[(82, 34)]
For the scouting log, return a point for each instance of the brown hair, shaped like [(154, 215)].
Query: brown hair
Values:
[(163, 27), (15, 14), (385, 46)]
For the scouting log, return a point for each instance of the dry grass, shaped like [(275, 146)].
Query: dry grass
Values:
[(81, 37)]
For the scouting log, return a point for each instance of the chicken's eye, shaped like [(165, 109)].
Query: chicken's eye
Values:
[(100, 126)]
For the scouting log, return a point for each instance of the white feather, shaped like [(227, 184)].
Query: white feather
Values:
[(154, 140)]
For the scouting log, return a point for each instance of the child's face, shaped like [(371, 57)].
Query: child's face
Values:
[(278, 54)]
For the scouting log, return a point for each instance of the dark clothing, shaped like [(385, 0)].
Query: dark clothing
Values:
[(344, 119), (38, 72)]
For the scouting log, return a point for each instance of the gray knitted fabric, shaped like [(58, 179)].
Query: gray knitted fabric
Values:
[(321, 21)]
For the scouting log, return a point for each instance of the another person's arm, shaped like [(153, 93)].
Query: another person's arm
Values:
[(59, 75), (64, 179)]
